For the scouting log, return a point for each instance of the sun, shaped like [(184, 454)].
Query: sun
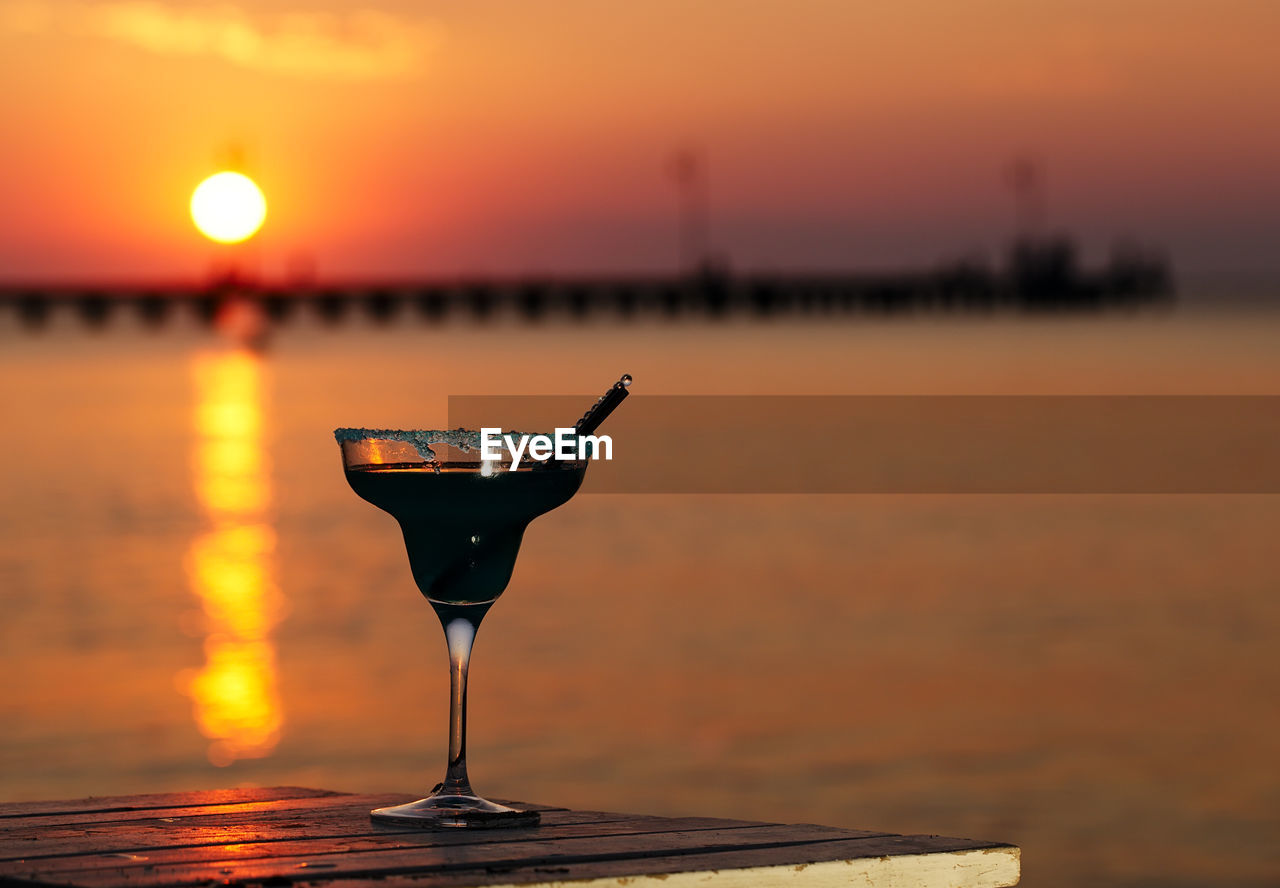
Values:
[(228, 207)]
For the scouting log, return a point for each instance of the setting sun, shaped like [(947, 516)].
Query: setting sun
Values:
[(228, 207)]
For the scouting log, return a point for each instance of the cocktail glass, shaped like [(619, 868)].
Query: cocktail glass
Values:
[(463, 519)]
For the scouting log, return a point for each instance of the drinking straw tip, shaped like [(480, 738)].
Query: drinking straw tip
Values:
[(604, 406)]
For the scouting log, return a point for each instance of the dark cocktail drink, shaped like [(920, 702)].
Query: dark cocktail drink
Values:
[(462, 526)]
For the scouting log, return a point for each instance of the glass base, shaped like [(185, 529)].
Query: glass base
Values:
[(455, 811)]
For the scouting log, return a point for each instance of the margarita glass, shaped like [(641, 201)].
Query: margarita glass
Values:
[(463, 519)]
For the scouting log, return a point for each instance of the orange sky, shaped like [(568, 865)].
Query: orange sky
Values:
[(411, 138)]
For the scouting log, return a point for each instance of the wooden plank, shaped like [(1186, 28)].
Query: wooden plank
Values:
[(199, 798), (224, 811), (759, 846), (997, 866), (313, 850), (916, 861), (121, 814), (325, 819), (178, 845), (34, 844)]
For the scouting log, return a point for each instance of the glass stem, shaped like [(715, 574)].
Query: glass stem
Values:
[(460, 625)]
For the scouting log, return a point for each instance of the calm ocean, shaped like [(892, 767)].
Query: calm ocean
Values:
[(194, 598)]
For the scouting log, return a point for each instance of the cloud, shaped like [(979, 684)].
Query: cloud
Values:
[(362, 44)]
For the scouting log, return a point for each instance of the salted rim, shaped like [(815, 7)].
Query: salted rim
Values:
[(465, 440)]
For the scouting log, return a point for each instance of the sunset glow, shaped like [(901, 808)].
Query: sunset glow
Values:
[(231, 565), (399, 140)]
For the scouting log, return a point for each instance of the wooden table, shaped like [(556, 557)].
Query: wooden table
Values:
[(285, 835)]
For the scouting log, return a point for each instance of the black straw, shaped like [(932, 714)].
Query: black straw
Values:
[(602, 408)]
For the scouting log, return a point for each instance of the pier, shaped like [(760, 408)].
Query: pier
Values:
[(1041, 277)]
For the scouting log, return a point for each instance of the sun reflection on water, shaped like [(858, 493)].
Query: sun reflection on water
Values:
[(237, 705)]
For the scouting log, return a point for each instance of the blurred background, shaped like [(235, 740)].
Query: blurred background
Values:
[(748, 198)]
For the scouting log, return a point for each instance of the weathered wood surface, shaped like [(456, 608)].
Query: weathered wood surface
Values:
[(284, 835)]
